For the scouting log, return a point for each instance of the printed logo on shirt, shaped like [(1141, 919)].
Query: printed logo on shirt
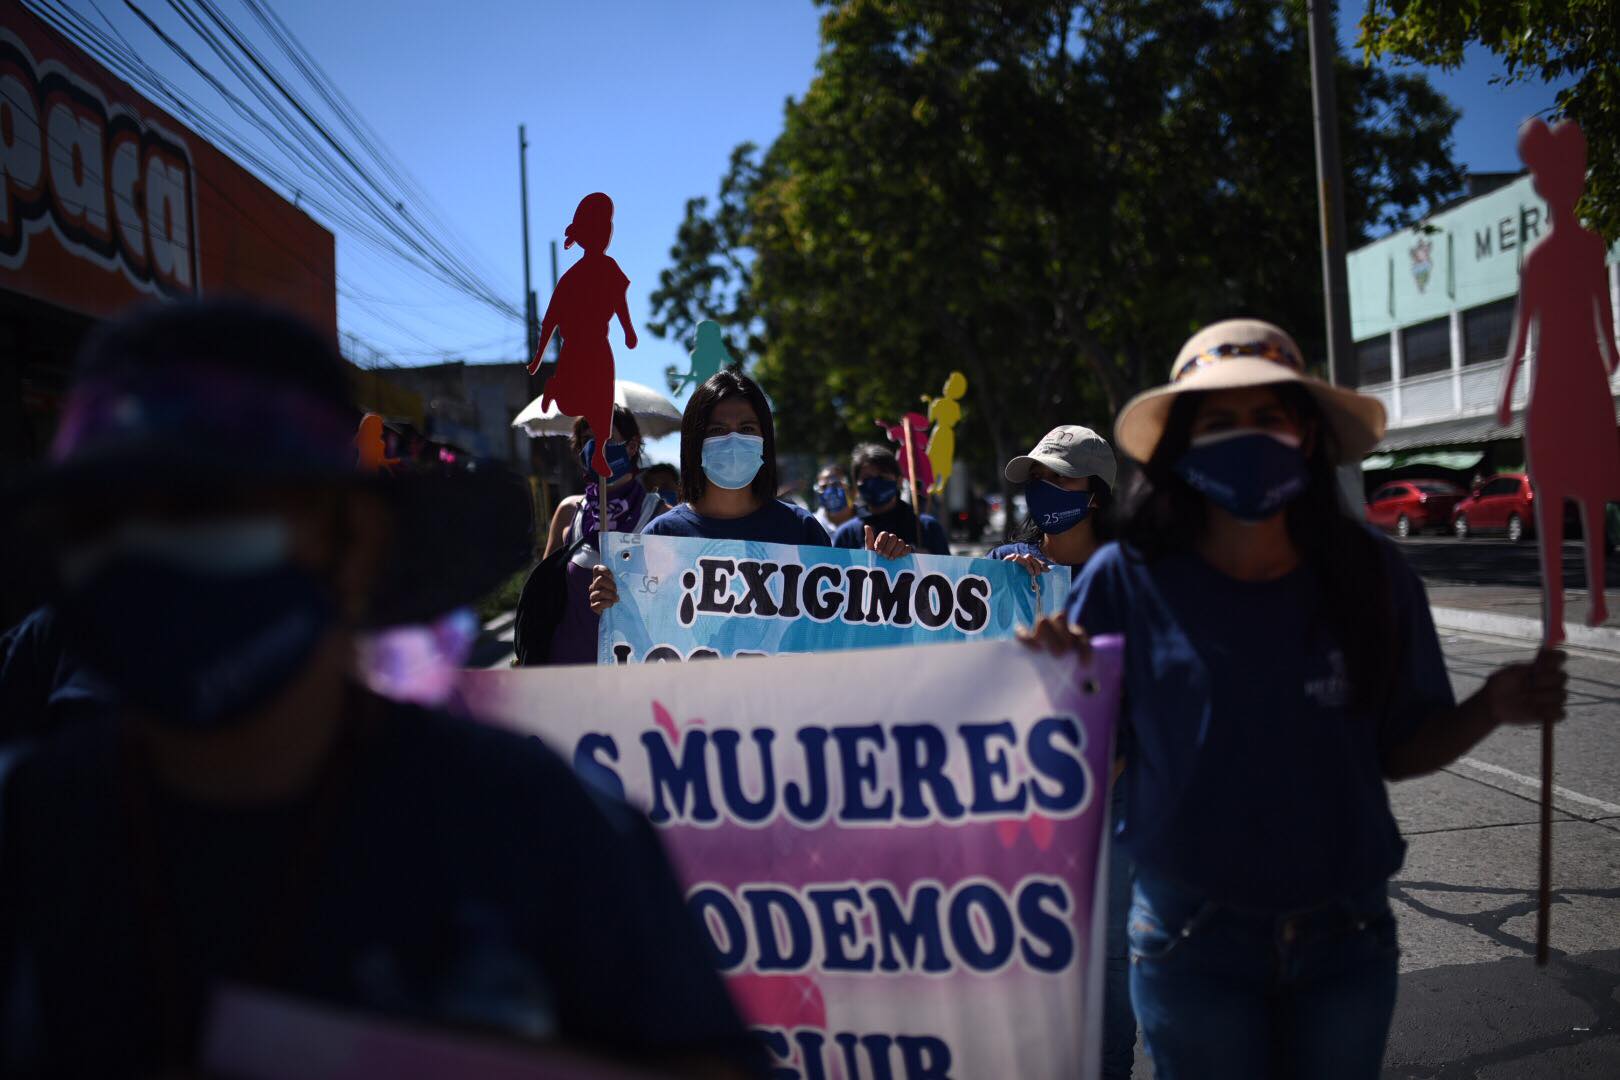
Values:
[(1330, 691)]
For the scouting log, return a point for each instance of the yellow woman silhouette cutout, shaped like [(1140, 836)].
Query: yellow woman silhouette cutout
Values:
[(368, 441), (944, 412)]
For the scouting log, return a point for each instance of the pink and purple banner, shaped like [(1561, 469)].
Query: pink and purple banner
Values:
[(895, 852)]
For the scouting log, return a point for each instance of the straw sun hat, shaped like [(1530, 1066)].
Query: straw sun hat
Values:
[(1238, 353)]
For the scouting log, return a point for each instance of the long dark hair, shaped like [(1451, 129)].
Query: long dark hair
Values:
[(695, 428), (1163, 515), (1101, 516)]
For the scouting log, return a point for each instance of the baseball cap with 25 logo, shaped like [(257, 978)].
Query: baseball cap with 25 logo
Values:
[(1068, 450)]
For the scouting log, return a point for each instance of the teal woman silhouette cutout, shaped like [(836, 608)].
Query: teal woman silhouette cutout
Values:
[(709, 354)]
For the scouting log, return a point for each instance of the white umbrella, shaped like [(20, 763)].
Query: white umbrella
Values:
[(656, 414)]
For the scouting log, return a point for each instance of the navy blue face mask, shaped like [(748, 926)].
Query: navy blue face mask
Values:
[(833, 497), (196, 641), (618, 459), (669, 496), (1055, 510), (1251, 475), (878, 491)]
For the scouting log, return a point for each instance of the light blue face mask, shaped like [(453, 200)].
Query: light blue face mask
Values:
[(732, 461)]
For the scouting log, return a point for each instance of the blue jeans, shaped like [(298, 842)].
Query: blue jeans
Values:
[(1119, 1019), (1225, 993)]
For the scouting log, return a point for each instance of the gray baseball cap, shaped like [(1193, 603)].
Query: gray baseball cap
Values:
[(1068, 450)]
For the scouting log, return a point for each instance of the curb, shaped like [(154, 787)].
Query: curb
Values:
[(1596, 638)]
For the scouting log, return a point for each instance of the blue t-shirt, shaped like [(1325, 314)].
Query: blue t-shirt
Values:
[(1017, 547), (921, 531), (1251, 776), (464, 875), (774, 523)]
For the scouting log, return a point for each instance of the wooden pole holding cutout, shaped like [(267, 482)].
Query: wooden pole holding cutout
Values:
[(1544, 892), (911, 461)]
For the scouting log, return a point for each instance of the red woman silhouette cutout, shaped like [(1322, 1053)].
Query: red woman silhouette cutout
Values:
[(1571, 444), (584, 302)]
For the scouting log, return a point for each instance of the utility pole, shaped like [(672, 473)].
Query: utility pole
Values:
[(1330, 184), (538, 490), (563, 470), (1330, 193), (530, 325)]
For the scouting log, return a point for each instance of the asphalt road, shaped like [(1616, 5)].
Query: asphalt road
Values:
[(1472, 1002), (1495, 562)]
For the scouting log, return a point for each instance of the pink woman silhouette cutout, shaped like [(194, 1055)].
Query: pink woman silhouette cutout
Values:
[(918, 451), (1571, 443), (584, 302)]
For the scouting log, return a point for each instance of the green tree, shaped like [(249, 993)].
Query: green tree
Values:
[(1549, 40), (1046, 196)]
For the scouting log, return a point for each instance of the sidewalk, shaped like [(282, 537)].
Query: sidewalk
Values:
[(1514, 611)]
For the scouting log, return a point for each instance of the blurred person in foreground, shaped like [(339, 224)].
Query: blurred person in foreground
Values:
[(250, 815)]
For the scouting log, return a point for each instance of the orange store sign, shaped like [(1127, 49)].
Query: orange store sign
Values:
[(105, 200)]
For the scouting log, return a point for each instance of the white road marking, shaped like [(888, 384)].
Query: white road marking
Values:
[(1534, 785)]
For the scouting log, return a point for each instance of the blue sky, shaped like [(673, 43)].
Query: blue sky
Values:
[(643, 99)]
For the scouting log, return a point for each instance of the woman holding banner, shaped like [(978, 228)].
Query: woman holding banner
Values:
[(728, 480), (1280, 664), (574, 540), (1068, 483)]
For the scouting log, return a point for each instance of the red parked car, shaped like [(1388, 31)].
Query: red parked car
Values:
[(1503, 504), (1405, 507)]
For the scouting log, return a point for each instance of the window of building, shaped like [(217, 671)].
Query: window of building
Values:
[(1426, 348), (1486, 330), (1372, 360)]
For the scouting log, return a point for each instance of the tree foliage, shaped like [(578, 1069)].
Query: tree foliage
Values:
[(1046, 196), (1549, 40)]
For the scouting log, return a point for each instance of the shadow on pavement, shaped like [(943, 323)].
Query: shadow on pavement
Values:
[(1508, 1019)]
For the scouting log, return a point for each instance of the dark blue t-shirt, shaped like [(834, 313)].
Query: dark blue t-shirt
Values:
[(464, 876), (1251, 777), (921, 531), (43, 687), (774, 523)]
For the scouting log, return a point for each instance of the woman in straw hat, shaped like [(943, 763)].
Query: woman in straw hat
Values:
[(1280, 664)]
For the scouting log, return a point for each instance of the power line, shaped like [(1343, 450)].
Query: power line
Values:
[(436, 250), (347, 205), (340, 106)]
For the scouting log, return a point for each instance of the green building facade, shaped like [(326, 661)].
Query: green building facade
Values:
[(1431, 314)]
